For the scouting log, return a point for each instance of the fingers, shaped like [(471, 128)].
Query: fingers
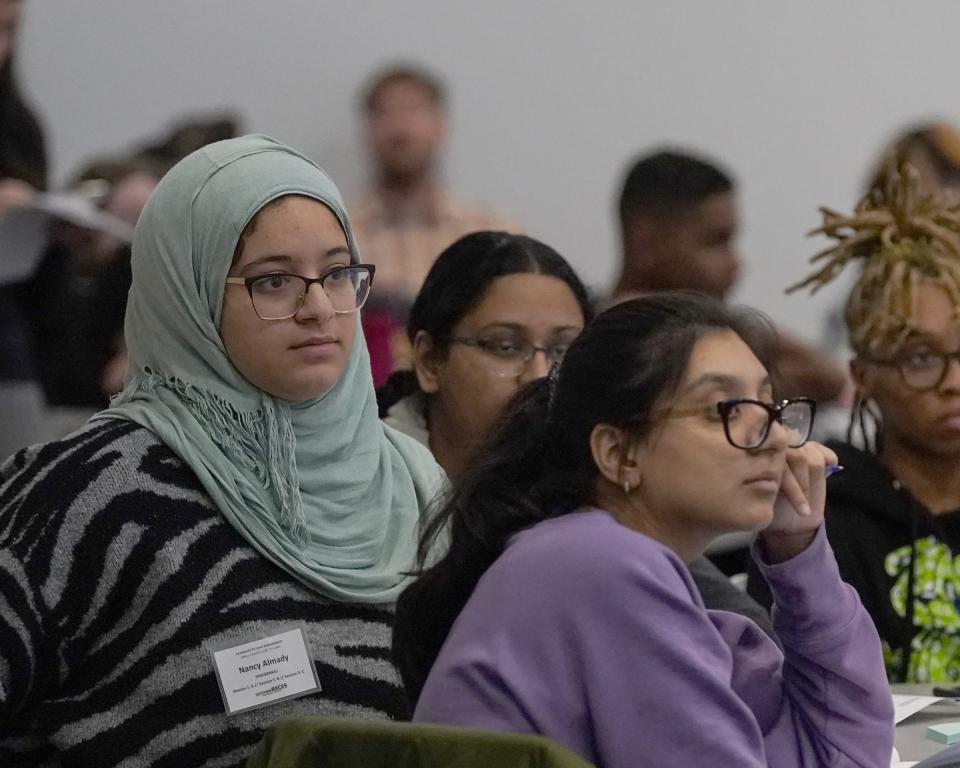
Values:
[(803, 477), (829, 457), (798, 468), (792, 491)]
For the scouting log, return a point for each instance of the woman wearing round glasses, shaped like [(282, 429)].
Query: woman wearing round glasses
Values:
[(563, 606), (894, 513), (224, 545)]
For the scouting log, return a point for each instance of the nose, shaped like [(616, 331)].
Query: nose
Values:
[(778, 438), (537, 368), (316, 305)]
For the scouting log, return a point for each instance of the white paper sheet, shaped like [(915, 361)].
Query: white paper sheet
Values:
[(24, 230), (905, 705)]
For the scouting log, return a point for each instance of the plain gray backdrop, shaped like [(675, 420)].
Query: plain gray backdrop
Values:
[(550, 100)]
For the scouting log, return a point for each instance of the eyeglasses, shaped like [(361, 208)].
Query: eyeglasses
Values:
[(747, 423), (921, 371), (510, 356), (279, 295)]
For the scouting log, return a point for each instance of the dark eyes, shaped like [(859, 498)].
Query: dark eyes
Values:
[(272, 283)]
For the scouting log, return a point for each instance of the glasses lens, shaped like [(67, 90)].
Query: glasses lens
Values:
[(276, 296), (747, 424), (507, 356), (922, 371), (556, 352), (347, 288), (797, 419)]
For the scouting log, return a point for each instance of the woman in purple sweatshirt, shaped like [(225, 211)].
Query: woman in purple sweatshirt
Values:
[(562, 605)]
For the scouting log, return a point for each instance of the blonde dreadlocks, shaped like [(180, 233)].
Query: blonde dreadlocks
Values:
[(903, 238)]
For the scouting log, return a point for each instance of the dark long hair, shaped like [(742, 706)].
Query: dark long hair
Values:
[(459, 280), (537, 463), (22, 150)]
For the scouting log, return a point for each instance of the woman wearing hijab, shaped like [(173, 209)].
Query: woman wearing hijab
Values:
[(224, 545)]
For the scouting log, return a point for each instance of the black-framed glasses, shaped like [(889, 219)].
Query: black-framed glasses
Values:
[(510, 356), (279, 295), (921, 371), (747, 423)]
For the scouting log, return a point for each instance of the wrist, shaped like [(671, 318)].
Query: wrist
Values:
[(779, 547)]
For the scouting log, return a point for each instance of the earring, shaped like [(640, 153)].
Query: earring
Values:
[(626, 488)]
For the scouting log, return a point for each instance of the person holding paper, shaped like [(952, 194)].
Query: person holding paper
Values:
[(235, 528), (564, 607)]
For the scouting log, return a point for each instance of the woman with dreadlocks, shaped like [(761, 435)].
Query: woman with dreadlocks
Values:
[(893, 515)]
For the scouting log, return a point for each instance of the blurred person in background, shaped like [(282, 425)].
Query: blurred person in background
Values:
[(679, 220), (408, 215), (23, 158), (23, 171), (932, 148), (75, 301)]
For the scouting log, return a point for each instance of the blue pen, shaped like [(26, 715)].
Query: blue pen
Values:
[(831, 469)]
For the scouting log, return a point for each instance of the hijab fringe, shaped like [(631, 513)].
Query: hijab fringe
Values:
[(244, 436)]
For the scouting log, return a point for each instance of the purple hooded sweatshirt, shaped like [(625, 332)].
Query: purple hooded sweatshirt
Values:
[(595, 635)]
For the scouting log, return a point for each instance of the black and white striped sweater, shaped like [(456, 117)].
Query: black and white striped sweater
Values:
[(115, 570)]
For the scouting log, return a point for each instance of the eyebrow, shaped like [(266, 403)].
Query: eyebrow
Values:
[(722, 381), (287, 260), (519, 327)]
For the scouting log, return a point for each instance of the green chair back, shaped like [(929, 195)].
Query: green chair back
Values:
[(315, 742)]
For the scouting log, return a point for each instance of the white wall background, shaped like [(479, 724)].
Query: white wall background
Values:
[(550, 100)]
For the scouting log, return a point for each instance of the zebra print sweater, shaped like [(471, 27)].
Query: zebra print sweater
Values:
[(116, 570)]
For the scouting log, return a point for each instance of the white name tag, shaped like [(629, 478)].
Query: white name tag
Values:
[(264, 670)]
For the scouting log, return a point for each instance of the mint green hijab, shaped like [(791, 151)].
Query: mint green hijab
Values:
[(322, 488)]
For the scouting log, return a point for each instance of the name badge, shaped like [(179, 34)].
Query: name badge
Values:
[(263, 670)]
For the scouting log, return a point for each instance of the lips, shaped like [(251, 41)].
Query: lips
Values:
[(766, 481), (315, 341)]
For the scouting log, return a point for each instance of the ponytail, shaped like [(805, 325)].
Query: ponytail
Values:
[(506, 491)]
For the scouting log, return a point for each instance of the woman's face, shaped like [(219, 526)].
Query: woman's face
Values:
[(469, 386), (303, 356), (694, 484), (925, 422)]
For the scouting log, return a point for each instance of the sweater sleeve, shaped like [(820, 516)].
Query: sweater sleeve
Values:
[(836, 705), (596, 636), (711, 684)]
